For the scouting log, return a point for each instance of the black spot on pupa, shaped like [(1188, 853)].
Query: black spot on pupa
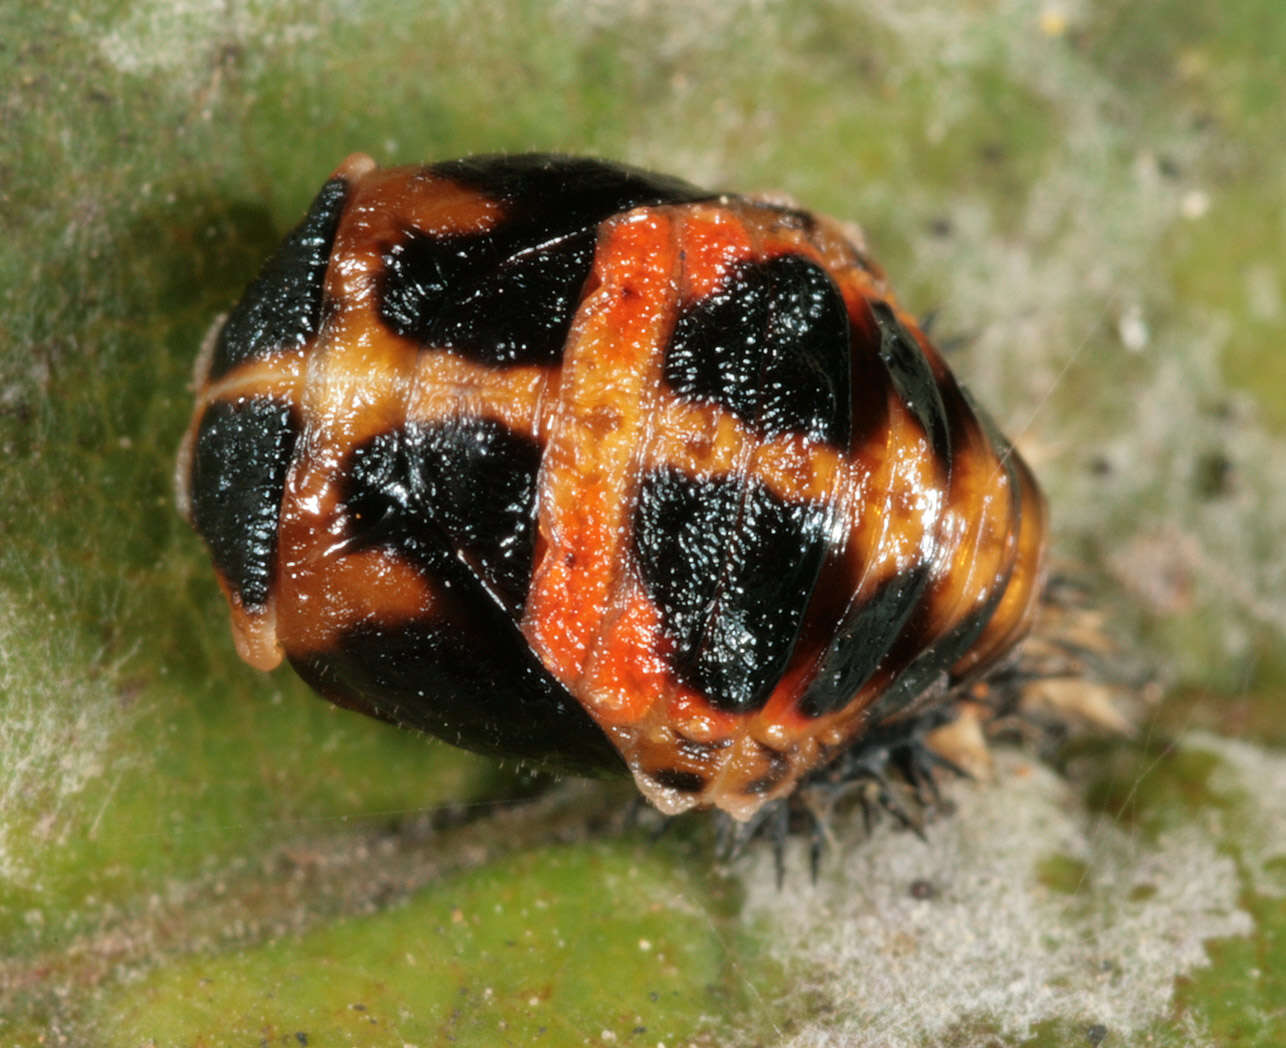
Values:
[(919, 659), (506, 296), (913, 379), (281, 309), (771, 346), (243, 450), (466, 676), (468, 484), (884, 631), (862, 642), (731, 568), (700, 752), (679, 780)]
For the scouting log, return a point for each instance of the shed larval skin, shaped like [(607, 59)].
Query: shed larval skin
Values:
[(567, 461)]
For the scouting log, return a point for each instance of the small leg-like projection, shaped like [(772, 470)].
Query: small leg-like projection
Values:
[(1061, 677), (772, 821), (869, 772), (647, 820), (902, 750)]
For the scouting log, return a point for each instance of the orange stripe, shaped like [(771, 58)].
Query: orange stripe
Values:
[(713, 240), (600, 423)]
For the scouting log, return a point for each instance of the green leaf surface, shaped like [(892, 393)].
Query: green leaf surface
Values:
[(535, 948)]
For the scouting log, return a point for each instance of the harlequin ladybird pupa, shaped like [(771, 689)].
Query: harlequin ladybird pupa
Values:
[(562, 460)]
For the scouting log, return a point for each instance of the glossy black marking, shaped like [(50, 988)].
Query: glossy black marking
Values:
[(988, 592), (881, 633), (466, 483), (919, 661), (920, 665), (928, 669), (507, 296), (771, 346), (913, 379), (862, 643), (868, 388), (731, 568), (679, 780), (281, 309), (565, 192), (243, 450), (467, 677), (700, 752)]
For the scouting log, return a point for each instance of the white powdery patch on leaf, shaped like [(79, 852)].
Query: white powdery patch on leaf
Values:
[(186, 36), (56, 726), (1080, 295), (169, 36), (992, 946), (1255, 778), (1212, 555)]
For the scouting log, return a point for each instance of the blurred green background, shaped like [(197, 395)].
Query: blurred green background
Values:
[(1090, 194)]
